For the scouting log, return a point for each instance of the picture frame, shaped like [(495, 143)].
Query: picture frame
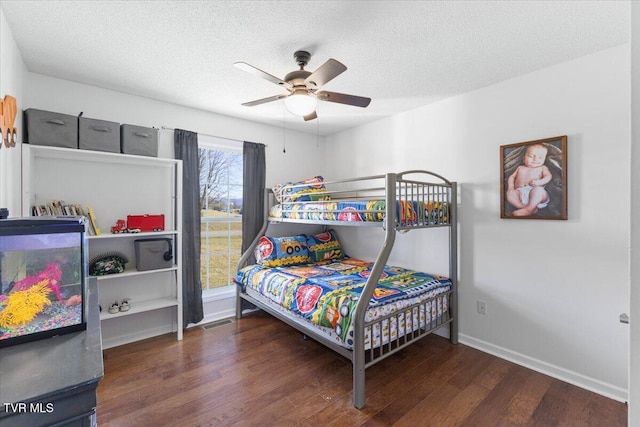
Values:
[(533, 179)]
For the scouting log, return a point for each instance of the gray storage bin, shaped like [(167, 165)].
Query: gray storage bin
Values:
[(152, 254), (98, 135), (139, 140), (49, 128)]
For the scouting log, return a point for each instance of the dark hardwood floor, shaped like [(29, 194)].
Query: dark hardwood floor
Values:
[(260, 372)]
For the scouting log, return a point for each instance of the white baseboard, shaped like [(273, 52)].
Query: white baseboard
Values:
[(135, 336), (575, 378)]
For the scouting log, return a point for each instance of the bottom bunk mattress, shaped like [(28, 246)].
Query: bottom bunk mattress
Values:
[(325, 295)]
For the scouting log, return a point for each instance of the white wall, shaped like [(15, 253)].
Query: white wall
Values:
[(554, 289), (47, 93), (12, 71), (634, 368)]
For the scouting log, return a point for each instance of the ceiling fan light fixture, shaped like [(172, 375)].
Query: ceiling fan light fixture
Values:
[(303, 87), (300, 103)]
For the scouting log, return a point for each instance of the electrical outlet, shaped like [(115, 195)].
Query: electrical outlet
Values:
[(482, 307)]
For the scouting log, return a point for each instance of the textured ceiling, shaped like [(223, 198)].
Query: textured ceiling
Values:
[(402, 54)]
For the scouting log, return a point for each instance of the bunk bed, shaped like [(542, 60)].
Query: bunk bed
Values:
[(365, 311)]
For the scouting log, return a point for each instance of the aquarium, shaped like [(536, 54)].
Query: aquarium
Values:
[(42, 278)]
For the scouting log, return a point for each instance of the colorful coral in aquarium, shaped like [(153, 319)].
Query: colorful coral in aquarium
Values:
[(21, 307), (51, 274)]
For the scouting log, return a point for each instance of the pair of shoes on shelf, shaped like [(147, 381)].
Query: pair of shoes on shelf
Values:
[(124, 305)]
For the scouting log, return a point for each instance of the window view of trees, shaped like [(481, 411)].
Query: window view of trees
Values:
[(221, 215)]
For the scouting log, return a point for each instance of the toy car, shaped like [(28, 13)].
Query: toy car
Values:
[(139, 224), (119, 227)]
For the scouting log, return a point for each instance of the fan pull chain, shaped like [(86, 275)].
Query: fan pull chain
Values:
[(284, 130)]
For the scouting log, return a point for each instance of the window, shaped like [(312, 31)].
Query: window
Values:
[(220, 168)]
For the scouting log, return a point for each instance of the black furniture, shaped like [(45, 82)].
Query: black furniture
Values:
[(53, 382)]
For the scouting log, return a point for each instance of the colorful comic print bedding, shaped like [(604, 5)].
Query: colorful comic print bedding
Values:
[(357, 211), (325, 294)]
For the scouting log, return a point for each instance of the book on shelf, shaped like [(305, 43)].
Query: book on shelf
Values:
[(94, 222), (61, 208)]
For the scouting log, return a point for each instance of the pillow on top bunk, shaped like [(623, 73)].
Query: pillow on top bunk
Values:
[(307, 190), (324, 246), (281, 251)]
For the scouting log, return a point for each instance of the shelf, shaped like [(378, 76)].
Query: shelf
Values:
[(133, 272), (132, 235), (95, 156), (140, 307), (116, 185)]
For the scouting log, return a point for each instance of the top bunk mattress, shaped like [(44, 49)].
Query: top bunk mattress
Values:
[(407, 212)]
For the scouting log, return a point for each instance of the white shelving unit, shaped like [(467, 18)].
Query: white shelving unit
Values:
[(117, 185)]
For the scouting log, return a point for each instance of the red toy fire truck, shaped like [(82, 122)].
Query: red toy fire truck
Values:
[(139, 224)]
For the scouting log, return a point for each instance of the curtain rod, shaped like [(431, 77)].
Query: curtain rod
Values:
[(210, 136)]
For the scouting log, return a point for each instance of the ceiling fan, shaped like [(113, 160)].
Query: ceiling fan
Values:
[(303, 86)]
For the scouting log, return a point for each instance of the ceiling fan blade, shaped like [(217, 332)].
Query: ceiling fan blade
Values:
[(327, 71), (343, 98), (310, 116), (262, 74), (264, 100)]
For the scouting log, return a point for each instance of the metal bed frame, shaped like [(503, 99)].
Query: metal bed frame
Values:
[(396, 188)]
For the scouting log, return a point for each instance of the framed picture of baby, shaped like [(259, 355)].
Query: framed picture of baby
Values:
[(533, 183)]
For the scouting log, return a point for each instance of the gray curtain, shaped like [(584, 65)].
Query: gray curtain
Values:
[(253, 182), (186, 149)]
